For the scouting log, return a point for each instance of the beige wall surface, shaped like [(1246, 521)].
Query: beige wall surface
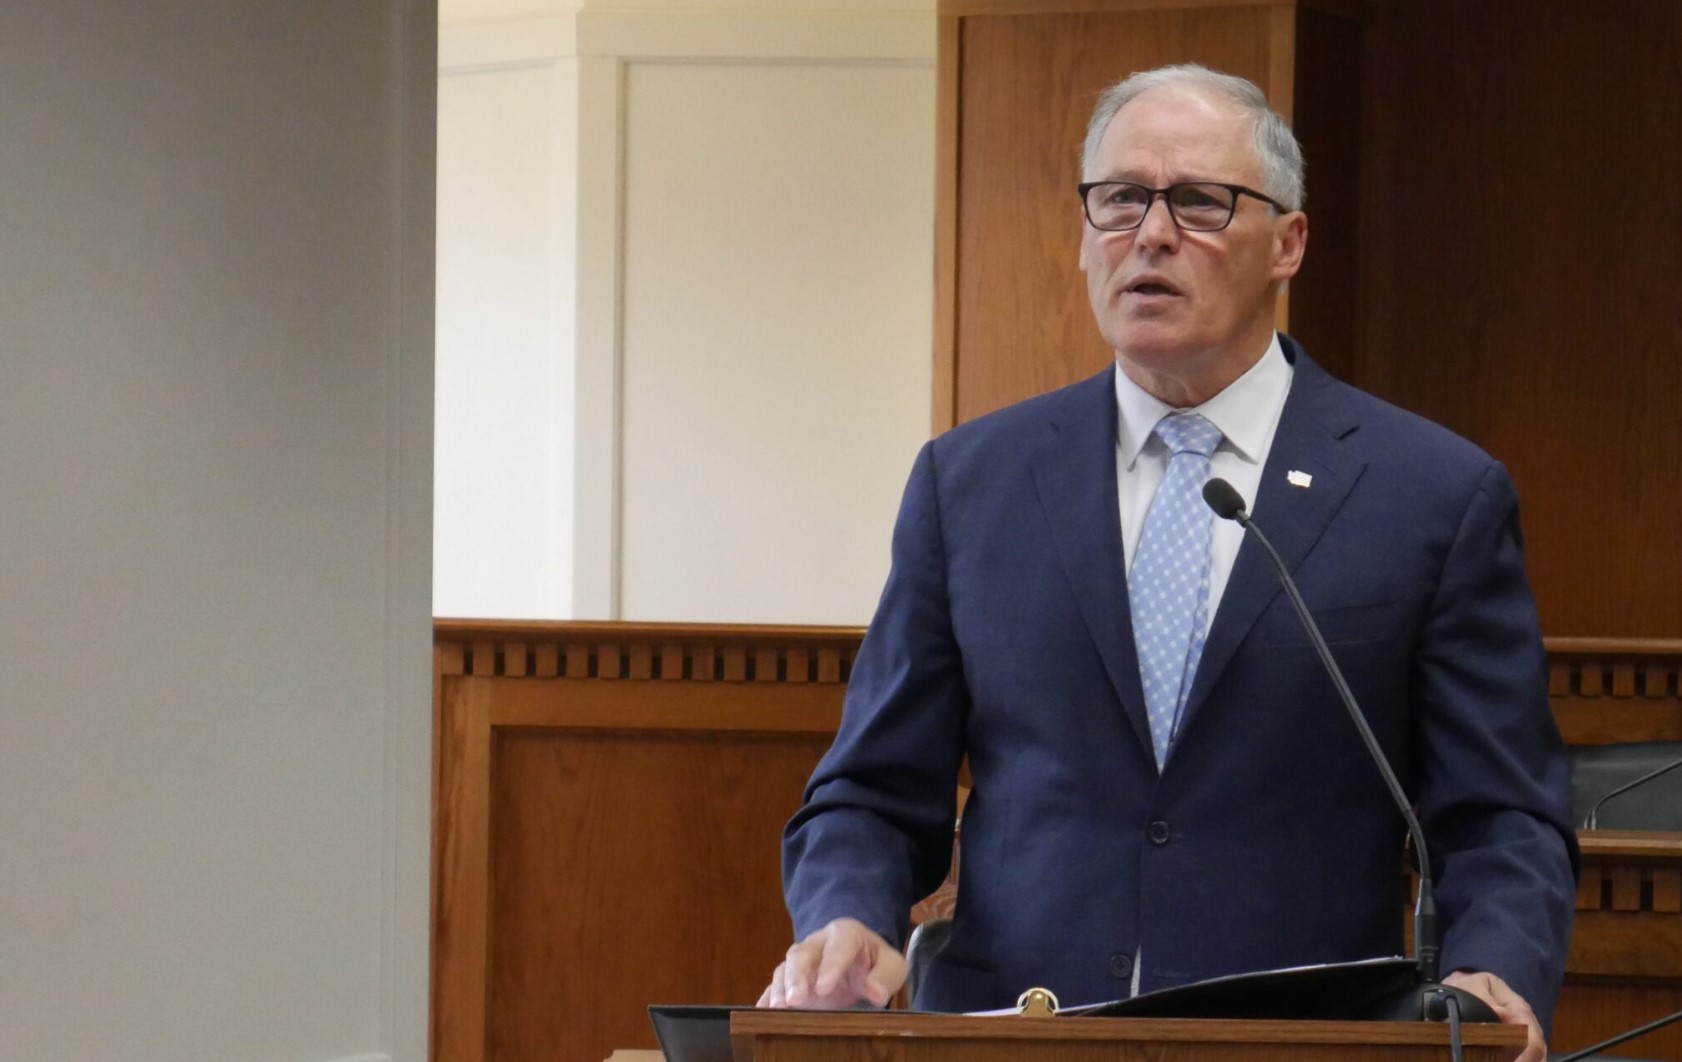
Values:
[(778, 288), (215, 342), (686, 258), (506, 364)]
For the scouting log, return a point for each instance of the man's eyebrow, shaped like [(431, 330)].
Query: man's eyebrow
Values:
[(1139, 179)]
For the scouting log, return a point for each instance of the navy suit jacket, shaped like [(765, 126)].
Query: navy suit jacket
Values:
[(1267, 839)]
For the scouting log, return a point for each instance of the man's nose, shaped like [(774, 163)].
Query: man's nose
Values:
[(1158, 229)]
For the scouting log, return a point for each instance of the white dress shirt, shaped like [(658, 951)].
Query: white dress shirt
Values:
[(1247, 413)]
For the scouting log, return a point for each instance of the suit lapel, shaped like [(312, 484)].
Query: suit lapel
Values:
[(1075, 477), (1312, 426)]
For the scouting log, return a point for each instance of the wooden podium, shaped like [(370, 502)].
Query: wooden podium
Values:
[(900, 1036)]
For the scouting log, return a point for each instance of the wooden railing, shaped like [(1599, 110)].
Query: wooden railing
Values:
[(668, 652), (609, 799), (1606, 690)]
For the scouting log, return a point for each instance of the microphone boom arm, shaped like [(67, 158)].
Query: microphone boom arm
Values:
[(1425, 912)]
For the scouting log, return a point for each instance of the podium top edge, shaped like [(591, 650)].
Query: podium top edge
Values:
[(872, 1024)]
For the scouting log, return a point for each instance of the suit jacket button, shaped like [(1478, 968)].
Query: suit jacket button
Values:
[(1121, 966), (1158, 832)]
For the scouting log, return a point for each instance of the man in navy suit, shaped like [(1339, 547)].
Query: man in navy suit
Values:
[(1165, 786)]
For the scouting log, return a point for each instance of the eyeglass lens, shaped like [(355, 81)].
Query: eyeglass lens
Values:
[(1197, 207)]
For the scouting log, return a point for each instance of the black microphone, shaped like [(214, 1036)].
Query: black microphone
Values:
[(1592, 820), (1224, 498), (1425, 999)]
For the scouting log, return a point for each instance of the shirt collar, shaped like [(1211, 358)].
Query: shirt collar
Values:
[(1244, 412)]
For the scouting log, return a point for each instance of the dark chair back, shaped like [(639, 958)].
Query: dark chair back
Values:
[(1596, 770), (927, 940)]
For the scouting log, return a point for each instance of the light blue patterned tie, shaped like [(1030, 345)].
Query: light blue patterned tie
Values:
[(1168, 585)]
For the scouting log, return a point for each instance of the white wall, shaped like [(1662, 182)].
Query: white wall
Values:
[(505, 454), (738, 463), (778, 299), (215, 348)]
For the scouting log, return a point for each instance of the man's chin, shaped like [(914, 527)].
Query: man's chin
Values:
[(1155, 352), (1175, 358)]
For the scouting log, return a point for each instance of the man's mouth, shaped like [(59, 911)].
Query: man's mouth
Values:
[(1150, 286)]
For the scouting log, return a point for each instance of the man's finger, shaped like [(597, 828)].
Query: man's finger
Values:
[(773, 994), (1510, 1007), (1536, 1048), (839, 965), (800, 969), (878, 973), (843, 947), (886, 975)]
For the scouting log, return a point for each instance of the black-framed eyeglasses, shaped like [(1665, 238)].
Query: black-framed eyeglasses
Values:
[(1196, 206)]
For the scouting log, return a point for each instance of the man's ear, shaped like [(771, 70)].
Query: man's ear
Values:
[(1290, 241)]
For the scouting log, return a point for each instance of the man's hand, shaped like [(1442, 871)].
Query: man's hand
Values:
[(838, 966), (1508, 1005)]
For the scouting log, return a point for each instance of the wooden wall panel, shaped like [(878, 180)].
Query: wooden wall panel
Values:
[(602, 843), (663, 846), (1625, 966), (1527, 277), (1018, 83), (1326, 116), (1498, 249), (1028, 83), (948, 88), (609, 805), (1590, 1012)]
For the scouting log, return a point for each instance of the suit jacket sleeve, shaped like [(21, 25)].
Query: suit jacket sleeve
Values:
[(1493, 786), (875, 833)]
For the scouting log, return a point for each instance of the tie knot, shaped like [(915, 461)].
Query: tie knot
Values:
[(1188, 433)]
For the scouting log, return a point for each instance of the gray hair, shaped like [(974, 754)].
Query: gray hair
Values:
[(1276, 147)]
